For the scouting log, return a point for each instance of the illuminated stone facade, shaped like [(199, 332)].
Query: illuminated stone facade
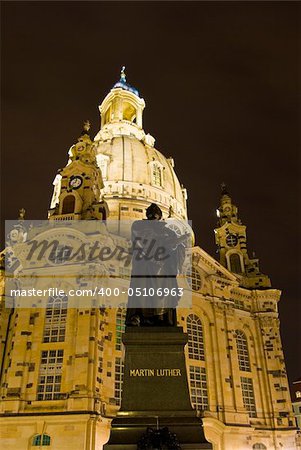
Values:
[(61, 379)]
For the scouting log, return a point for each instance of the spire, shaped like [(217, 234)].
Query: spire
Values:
[(85, 131), (122, 83), (227, 211), (87, 125), (122, 75), (21, 214), (224, 189)]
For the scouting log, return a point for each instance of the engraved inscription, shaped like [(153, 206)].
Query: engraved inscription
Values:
[(155, 373)]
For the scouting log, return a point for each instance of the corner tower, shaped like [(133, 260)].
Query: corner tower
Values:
[(135, 173), (231, 240)]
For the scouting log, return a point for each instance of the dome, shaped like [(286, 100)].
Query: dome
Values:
[(135, 173)]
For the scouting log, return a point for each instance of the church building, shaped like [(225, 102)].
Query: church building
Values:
[(62, 367)]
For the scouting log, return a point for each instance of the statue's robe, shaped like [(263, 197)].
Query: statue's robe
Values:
[(157, 257)]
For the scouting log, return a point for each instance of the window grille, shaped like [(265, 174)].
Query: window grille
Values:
[(195, 338), (194, 279), (248, 395), (55, 319), (119, 368), (242, 351), (157, 175), (50, 375), (198, 387), (41, 439), (120, 327)]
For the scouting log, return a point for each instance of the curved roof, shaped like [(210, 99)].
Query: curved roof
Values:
[(131, 162), (126, 86)]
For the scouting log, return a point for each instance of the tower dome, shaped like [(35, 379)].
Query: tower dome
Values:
[(135, 173)]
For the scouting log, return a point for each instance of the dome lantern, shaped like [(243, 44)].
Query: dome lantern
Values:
[(122, 105)]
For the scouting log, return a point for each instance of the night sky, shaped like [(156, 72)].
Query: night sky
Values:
[(220, 85)]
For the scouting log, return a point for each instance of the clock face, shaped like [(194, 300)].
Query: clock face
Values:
[(231, 240), (76, 182)]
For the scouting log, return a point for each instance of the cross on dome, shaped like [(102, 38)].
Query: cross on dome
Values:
[(122, 83)]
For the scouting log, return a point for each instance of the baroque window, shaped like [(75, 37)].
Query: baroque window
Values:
[(68, 204), (242, 351), (120, 327), (198, 387), (248, 395), (235, 263), (119, 368), (55, 319), (41, 439), (50, 375), (157, 174), (194, 279), (195, 338)]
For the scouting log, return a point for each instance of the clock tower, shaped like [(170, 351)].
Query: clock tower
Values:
[(231, 240), (77, 187)]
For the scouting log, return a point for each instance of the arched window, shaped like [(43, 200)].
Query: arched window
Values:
[(68, 204), (108, 115), (120, 327), (157, 175), (41, 439), (194, 279), (242, 351), (195, 338), (235, 263), (55, 319), (128, 112), (259, 447)]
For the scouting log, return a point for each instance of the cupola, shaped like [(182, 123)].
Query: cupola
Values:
[(122, 104)]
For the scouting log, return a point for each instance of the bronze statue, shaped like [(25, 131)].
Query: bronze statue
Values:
[(157, 256)]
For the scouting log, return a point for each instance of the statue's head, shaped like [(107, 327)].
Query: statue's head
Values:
[(153, 212)]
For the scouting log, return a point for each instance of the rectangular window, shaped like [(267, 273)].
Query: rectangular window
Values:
[(50, 375), (119, 368), (248, 395), (157, 175), (198, 387), (120, 327)]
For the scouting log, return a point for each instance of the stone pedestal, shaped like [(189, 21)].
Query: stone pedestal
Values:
[(155, 390)]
